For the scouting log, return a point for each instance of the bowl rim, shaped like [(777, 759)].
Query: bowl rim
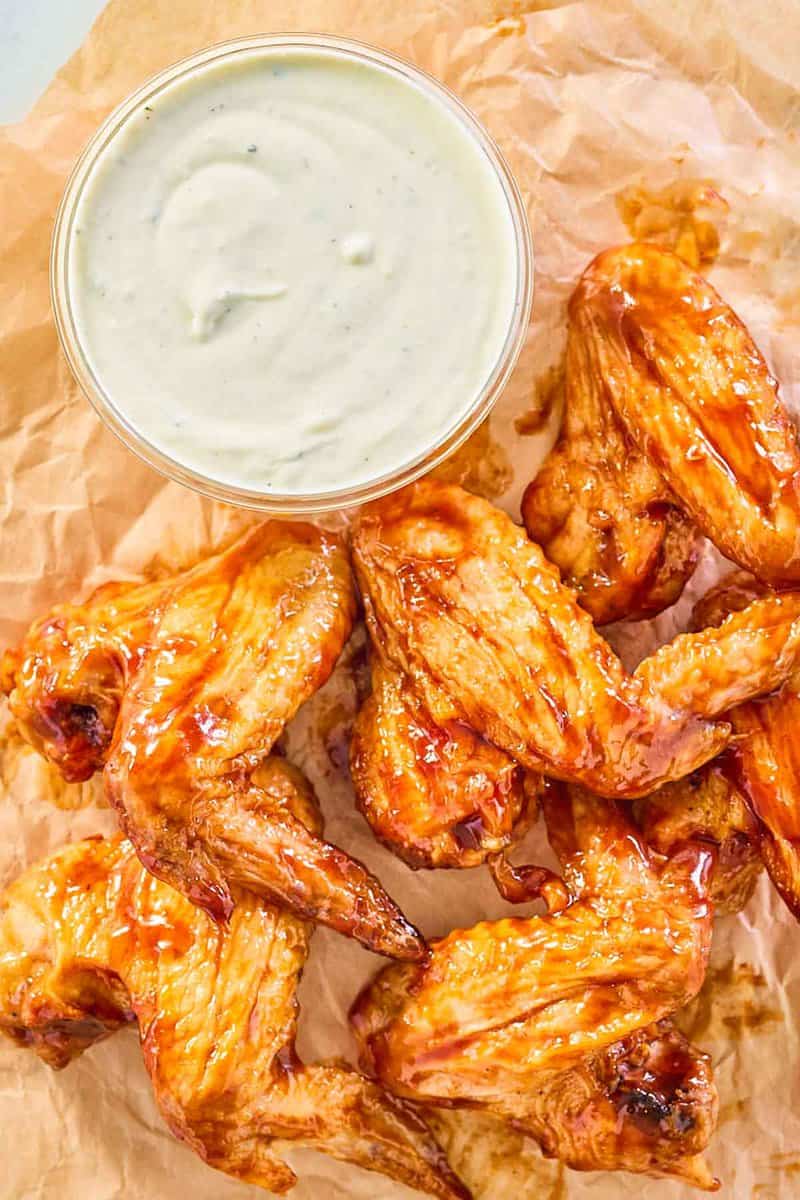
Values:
[(114, 417)]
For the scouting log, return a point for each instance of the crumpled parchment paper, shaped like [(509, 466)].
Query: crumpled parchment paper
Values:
[(662, 113)]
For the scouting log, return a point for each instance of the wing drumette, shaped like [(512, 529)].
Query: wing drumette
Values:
[(179, 689), (561, 1023), (464, 607), (90, 941), (673, 428), (708, 805), (439, 796)]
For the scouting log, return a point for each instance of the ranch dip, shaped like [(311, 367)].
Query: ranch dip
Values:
[(292, 271)]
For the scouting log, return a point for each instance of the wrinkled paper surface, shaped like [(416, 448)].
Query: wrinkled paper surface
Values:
[(586, 100)]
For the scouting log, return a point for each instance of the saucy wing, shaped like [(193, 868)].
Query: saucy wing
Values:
[(710, 806), (438, 795), (467, 609), (90, 942), (560, 1023), (673, 429), (765, 760), (178, 690)]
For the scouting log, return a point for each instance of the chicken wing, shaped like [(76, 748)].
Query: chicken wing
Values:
[(707, 805), (560, 1023), (178, 690), (439, 796), (468, 610), (673, 428), (90, 941), (765, 754)]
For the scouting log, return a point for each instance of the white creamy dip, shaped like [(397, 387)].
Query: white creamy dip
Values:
[(293, 271)]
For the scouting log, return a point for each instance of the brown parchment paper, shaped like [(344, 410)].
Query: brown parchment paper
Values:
[(587, 100)]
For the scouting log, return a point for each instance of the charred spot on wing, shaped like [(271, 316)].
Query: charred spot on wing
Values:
[(71, 734), (67, 720), (648, 1109), (84, 719)]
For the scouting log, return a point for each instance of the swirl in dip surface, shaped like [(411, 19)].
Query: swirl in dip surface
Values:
[(293, 271)]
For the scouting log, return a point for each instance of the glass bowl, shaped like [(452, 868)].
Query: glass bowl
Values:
[(113, 414)]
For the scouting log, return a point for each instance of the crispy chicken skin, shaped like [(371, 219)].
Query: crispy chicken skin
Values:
[(560, 1023), (90, 941), (766, 754), (179, 689), (468, 610), (673, 428)]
